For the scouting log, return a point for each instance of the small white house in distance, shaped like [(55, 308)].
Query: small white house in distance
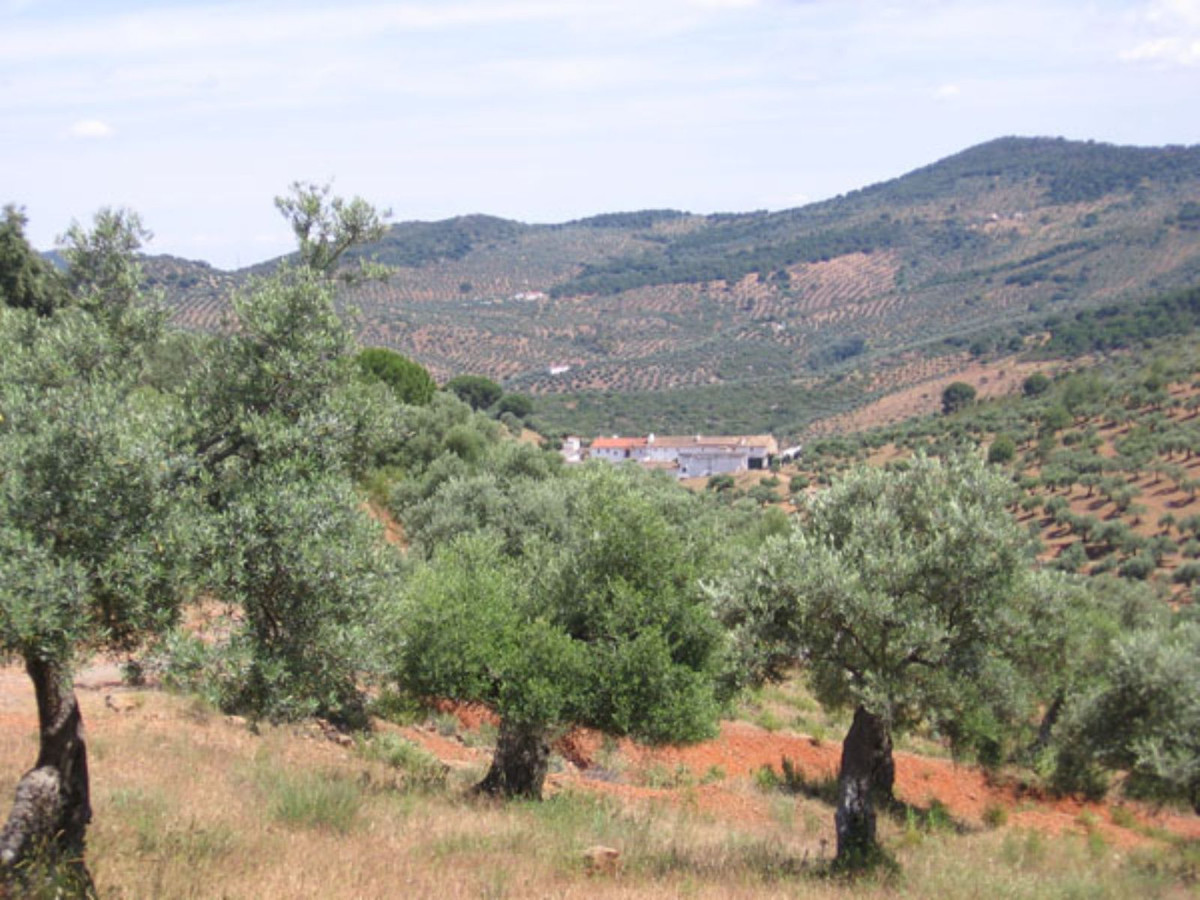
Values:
[(701, 457), (572, 449), (617, 449), (691, 456)]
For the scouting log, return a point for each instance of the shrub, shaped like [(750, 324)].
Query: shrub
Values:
[(1139, 567), (312, 799), (1035, 385), (1145, 716), (957, 395), (517, 404), (1188, 573), (465, 442), (1002, 450), (513, 423), (475, 390), (995, 816), (720, 482), (422, 770), (409, 380)]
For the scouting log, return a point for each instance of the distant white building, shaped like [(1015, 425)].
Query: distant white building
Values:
[(616, 449), (696, 456), (572, 449)]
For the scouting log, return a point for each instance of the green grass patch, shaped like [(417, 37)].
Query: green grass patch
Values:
[(419, 768), (322, 800)]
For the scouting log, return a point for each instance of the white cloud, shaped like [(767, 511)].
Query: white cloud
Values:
[(725, 4), (1175, 11), (264, 54), (222, 27), (1178, 51), (91, 129), (1170, 31), (261, 24), (551, 109)]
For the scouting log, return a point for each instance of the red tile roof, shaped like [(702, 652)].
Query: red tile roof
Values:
[(617, 443)]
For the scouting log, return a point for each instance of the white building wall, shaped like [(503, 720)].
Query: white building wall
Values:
[(609, 454), (652, 453), (757, 457), (702, 463)]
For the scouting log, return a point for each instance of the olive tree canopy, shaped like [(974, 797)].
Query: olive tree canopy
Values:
[(905, 594), (86, 526), (604, 626)]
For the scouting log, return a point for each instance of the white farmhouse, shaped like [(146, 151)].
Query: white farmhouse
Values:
[(617, 449), (690, 456), (700, 457)]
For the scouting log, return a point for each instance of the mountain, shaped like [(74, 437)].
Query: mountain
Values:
[(764, 320)]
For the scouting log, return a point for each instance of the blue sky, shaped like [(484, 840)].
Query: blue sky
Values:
[(196, 114)]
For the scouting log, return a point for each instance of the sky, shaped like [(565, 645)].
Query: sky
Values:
[(197, 114)]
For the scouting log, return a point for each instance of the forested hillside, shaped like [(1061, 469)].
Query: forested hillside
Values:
[(294, 530), (759, 321)]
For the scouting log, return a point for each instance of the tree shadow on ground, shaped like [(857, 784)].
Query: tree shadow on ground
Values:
[(791, 779)]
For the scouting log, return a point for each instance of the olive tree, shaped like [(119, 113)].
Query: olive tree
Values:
[(1141, 715), (27, 280), (605, 626), (279, 423), (85, 522), (307, 567), (1036, 384), (326, 226), (957, 395), (903, 593)]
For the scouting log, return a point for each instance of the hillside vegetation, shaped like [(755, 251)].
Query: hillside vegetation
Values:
[(298, 533), (661, 320), (1104, 452)]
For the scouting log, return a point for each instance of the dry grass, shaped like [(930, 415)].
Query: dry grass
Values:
[(191, 804)]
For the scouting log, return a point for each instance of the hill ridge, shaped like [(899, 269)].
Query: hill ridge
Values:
[(632, 311)]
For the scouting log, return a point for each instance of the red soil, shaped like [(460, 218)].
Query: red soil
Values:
[(393, 531), (717, 774), (714, 777)]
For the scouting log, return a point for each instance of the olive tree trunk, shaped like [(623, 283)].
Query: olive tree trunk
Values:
[(1049, 720), (520, 762), (867, 774), (44, 836)]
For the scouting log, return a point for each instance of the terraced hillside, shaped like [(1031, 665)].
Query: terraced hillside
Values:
[(660, 319)]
